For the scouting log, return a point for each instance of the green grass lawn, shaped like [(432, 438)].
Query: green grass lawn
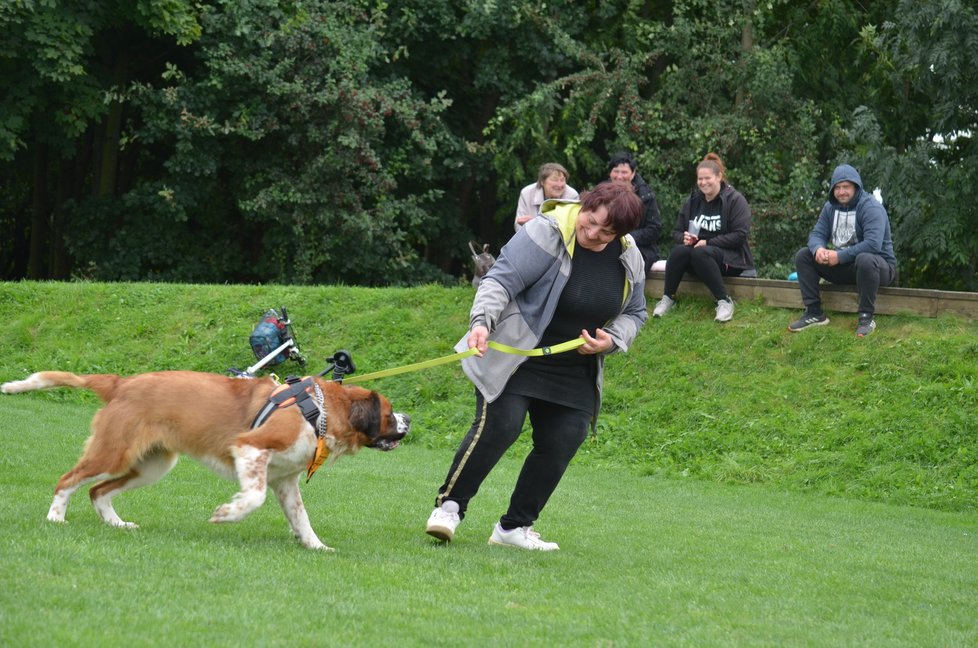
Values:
[(644, 560), (746, 487)]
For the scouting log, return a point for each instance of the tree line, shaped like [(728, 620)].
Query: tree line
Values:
[(366, 142)]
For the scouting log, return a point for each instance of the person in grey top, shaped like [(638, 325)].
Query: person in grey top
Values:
[(551, 184), (572, 272), (850, 244)]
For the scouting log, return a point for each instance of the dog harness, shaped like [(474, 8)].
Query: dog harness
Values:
[(308, 396)]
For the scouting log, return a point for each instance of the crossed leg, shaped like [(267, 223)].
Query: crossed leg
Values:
[(148, 470)]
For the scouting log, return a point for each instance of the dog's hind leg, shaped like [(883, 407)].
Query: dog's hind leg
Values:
[(290, 498), (71, 481), (107, 455), (251, 466), (62, 493), (148, 470)]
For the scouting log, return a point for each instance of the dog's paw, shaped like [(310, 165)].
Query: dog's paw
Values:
[(313, 542), (58, 509), (319, 546), (224, 513)]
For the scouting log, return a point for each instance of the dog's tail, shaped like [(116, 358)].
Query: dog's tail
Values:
[(102, 384)]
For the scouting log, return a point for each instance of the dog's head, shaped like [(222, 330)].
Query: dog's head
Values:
[(374, 417)]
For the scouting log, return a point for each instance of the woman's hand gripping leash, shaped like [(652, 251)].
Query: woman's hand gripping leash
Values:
[(479, 339), (599, 343)]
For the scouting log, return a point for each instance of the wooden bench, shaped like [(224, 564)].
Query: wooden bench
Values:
[(785, 294)]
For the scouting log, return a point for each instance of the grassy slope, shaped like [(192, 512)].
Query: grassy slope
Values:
[(889, 418)]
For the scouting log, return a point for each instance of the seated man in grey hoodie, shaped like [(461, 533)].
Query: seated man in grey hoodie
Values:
[(850, 244)]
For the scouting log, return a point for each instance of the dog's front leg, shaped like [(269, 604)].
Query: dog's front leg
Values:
[(289, 496), (251, 467)]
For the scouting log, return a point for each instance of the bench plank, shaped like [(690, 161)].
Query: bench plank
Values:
[(785, 294)]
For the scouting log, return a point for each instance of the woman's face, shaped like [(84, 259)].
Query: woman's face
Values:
[(622, 174), (593, 232), (553, 186), (708, 182)]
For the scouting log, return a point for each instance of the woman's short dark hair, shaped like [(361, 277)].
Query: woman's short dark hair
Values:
[(621, 157), (625, 209)]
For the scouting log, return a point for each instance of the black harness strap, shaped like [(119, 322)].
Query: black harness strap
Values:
[(300, 393)]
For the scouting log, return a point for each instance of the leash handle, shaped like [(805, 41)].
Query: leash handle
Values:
[(569, 345), (496, 346)]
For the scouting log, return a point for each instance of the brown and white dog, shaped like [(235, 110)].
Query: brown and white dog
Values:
[(150, 419)]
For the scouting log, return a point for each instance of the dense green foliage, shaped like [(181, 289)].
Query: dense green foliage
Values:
[(364, 142), (888, 418)]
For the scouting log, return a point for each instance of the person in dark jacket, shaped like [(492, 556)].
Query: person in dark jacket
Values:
[(622, 169), (850, 244), (711, 236)]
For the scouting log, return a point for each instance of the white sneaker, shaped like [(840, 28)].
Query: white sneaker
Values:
[(443, 521), (664, 306), (522, 537), (725, 310)]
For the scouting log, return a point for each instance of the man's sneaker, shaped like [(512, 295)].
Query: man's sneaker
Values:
[(808, 320), (865, 326), (725, 309), (664, 306), (443, 521), (522, 537)]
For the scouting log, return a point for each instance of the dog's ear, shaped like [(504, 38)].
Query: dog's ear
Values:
[(365, 415)]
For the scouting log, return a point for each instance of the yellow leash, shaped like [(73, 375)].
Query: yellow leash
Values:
[(497, 346), (322, 450)]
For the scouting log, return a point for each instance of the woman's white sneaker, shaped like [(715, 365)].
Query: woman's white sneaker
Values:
[(522, 537), (443, 521), (664, 306), (725, 310)]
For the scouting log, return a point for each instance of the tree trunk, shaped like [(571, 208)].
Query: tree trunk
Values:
[(108, 158), (486, 189), (60, 266), (746, 42), (40, 211), (109, 154)]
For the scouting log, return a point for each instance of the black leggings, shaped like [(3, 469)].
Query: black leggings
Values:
[(705, 262), (558, 432)]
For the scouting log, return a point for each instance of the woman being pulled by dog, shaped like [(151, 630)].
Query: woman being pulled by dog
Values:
[(574, 272)]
